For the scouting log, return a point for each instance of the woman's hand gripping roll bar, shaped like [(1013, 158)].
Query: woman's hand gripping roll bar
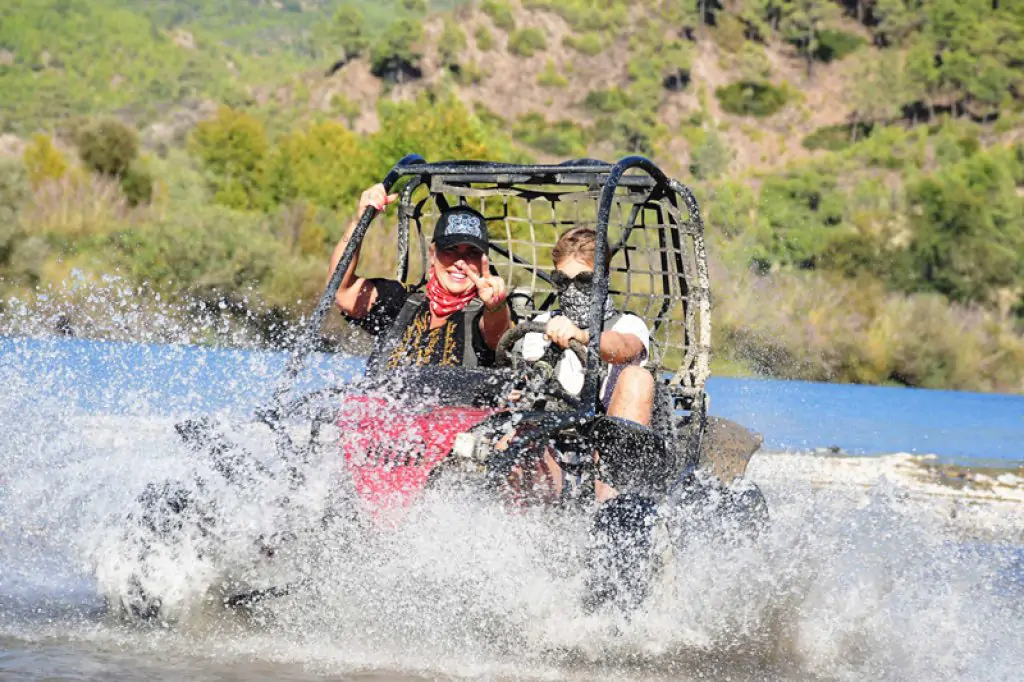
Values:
[(355, 295)]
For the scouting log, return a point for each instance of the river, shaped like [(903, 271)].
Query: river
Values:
[(874, 565)]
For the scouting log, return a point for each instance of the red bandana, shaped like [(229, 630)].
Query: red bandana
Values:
[(443, 302)]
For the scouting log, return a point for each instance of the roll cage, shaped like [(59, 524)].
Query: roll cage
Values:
[(649, 257)]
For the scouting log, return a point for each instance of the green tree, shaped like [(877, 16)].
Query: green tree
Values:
[(436, 127), (753, 63), (686, 15), (348, 30), (762, 17), (798, 218), (451, 45), (324, 164), (896, 20), (108, 147), (233, 149), (968, 228), (416, 6), (43, 161), (802, 23), (877, 89), (137, 185), (923, 72), (396, 55), (711, 158)]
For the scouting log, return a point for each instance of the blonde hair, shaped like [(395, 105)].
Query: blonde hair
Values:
[(578, 242)]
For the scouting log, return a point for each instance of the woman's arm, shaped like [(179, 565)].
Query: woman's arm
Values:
[(496, 318), (494, 323), (356, 295)]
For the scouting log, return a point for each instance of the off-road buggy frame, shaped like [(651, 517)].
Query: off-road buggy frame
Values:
[(649, 259)]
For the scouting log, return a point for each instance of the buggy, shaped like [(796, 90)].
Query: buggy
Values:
[(400, 432)]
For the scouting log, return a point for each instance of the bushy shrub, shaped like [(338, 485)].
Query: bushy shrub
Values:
[(587, 15), (484, 39), (137, 185), (488, 117), (710, 158), (15, 192), (608, 101), (891, 147), (834, 45), (561, 138), (730, 209), (857, 331), (752, 62), (108, 146), (43, 161), (15, 187), (750, 98), (590, 44), (730, 32), (500, 13), (527, 42), (345, 107), (203, 251), (550, 78), (233, 149), (416, 6), (469, 73), (837, 137), (76, 207)]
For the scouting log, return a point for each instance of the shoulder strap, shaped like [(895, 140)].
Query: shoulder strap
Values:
[(412, 305), (471, 318), (390, 340)]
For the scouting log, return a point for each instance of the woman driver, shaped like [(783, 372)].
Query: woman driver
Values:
[(457, 319)]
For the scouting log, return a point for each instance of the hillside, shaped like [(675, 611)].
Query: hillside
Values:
[(61, 59), (859, 162)]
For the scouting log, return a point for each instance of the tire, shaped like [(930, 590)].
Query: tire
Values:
[(619, 559)]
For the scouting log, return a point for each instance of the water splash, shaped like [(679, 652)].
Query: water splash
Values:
[(846, 583)]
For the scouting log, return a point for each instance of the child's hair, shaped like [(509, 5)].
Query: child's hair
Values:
[(578, 243)]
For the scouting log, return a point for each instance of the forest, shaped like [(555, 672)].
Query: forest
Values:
[(860, 163)]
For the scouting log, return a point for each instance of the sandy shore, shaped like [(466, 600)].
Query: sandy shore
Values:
[(983, 503)]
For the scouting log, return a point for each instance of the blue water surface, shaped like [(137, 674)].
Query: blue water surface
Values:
[(99, 377)]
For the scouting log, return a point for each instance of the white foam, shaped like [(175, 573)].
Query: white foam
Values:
[(861, 575)]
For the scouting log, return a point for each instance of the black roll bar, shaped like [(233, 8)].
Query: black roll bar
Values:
[(584, 172), (589, 394), (307, 342)]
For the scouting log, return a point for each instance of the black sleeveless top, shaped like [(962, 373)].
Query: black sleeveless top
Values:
[(400, 324)]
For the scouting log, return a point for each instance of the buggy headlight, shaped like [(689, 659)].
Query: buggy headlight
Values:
[(470, 446)]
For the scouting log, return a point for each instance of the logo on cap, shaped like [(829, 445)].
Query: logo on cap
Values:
[(464, 223)]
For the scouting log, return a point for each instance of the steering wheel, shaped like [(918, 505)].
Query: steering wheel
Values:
[(503, 356)]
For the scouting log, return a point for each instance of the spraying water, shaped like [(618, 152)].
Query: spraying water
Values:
[(846, 583)]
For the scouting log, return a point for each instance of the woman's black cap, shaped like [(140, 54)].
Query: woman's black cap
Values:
[(461, 225)]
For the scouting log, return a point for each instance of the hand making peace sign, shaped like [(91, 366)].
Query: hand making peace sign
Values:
[(490, 289)]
